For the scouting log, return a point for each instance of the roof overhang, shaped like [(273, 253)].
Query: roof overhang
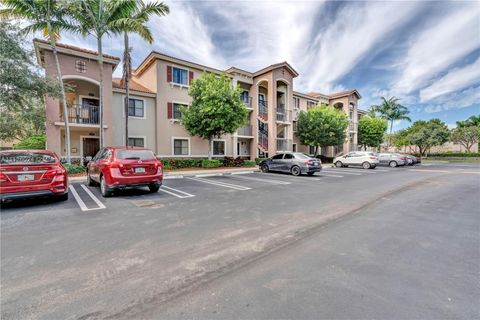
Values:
[(284, 64)]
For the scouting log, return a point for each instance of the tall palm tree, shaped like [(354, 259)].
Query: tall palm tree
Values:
[(391, 110), (47, 16), (100, 18), (140, 15)]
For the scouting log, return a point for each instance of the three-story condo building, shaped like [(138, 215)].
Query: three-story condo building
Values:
[(158, 90)]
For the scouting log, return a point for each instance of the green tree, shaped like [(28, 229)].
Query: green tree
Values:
[(400, 139), (426, 134), (100, 18), (322, 126), (32, 142), (466, 136), (140, 14), (391, 110), (22, 87), (47, 16), (472, 121), (216, 108), (371, 131)]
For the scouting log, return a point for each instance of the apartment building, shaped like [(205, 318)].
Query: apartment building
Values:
[(159, 88)]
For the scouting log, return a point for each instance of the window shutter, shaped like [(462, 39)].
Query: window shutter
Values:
[(170, 110), (169, 73), (190, 78)]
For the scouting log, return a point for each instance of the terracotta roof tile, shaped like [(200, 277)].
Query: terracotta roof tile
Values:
[(67, 46), (135, 86)]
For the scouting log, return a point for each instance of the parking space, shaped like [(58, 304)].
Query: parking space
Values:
[(88, 199)]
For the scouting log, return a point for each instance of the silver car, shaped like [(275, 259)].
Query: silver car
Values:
[(392, 159), (295, 163)]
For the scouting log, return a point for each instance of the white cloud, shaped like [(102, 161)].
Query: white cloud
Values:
[(454, 80), (458, 100), (452, 37)]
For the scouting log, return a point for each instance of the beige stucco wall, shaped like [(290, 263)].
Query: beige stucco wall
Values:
[(137, 127)]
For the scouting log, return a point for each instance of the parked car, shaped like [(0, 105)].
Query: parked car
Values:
[(116, 168), (412, 160), (31, 174), (366, 159), (392, 159), (295, 163)]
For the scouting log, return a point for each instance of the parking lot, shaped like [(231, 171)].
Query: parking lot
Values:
[(96, 257)]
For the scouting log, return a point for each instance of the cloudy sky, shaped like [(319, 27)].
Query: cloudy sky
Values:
[(426, 53)]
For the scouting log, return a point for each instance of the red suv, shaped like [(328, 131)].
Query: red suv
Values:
[(31, 173), (117, 168)]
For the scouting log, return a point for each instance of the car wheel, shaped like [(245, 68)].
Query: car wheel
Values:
[(366, 165), (90, 182), (393, 164), (296, 170), (264, 168), (104, 188), (338, 164), (154, 187)]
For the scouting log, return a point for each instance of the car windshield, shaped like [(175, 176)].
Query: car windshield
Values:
[(302, 156), (134, 154), (26, 158), (372, 154)]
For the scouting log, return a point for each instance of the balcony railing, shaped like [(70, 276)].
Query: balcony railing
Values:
[(263, 140), (81, 114), (284, 144), (283, 115), (247, 101), (245, 131), (263, 109)]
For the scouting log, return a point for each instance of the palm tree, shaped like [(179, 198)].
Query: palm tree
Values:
[(391, 110), (472, 121), (140, 16), (47, 16), (99, 18)]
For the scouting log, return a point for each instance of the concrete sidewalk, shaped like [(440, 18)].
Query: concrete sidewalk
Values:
[(180, 174)]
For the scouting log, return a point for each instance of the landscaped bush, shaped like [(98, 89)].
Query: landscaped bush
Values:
[(32, 142), (452, 155), (181, 163), (258, 160), (232, 162), (249, 163), (210, 163), (74, 168)]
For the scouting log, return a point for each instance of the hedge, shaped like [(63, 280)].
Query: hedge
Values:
[(32, 142), (258, 160), (249, 163), (74, 168), (181, 163), (211, 163), (451, 155)]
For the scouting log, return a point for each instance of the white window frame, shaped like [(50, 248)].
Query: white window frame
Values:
[(173, 109), (173, 146), (224, 149), (139, 137), (181, 85), (80, 61), (144, 108)]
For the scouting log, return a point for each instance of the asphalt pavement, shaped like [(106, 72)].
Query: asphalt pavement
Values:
[(347, 243)]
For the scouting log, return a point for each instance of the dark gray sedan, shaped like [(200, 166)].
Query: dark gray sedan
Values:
[(295, 163)]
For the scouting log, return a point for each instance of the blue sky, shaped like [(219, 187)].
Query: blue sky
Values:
[(425, 53)]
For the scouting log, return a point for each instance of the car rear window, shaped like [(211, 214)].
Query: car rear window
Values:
[(301, 156), (134, 154), (27, 158)]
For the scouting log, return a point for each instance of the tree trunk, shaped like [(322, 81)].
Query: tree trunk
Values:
[(64, 99), (391, 126), (210, 149), (127, 87), (316, 151), (100, 104)]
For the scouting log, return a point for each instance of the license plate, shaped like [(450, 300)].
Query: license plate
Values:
[(25, 177), (139, 170), (315, 163)]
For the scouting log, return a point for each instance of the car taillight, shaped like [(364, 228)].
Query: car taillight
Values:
[(373, 158), (3, 177), (403, 159), (159, 169), (53, 173)]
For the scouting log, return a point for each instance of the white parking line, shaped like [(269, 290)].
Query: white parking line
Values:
[(264, 180), (291, 177), (172, 177), (331, 175), (242, 172), (181, 194), (97, 201), (343, 172), (359, 171), (221, 184), (80, 202), (208, 175)]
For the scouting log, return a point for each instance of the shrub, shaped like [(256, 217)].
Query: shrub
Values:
[(231, 162), (32, 142), (74, 168), (249, 163), (258, 160), (452, 154), (210, 163), (169, 163)]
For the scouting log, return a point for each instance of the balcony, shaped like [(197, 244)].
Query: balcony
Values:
[(284, 144), (247, 101), (81, 114), (263, 110), (245, 131), (283, 115)]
